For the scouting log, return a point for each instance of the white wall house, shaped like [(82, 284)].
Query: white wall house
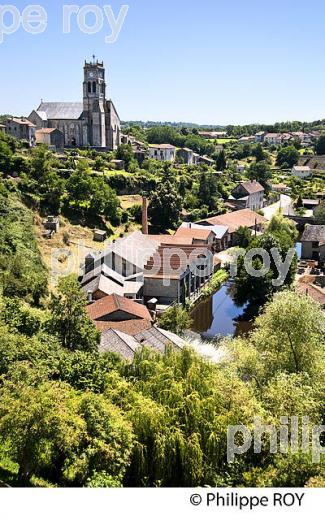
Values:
[(162, 152), (273, 138), (251, 193), (301, 171)]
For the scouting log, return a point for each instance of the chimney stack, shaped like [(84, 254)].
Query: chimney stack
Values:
[(145, 204)]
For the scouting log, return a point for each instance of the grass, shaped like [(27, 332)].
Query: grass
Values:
[(127, 201)]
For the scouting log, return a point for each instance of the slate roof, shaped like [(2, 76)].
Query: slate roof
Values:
[(136, 248), (60, 110), (126, 345), (314, 234), (158, 339), (118, 342), (109, 286)]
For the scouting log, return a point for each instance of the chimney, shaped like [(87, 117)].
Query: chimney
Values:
[(145, 216)]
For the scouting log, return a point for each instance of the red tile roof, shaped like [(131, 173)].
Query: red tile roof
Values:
[(45, 130), (113, 303), (131, 327), (242, 217), (173, 262), (193, 233)]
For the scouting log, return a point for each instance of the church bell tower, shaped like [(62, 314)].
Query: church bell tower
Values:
[(94, 102)]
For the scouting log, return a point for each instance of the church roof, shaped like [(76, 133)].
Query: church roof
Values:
[(61, 110)]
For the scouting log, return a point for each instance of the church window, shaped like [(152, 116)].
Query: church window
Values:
[(94, 87), (89, 86)]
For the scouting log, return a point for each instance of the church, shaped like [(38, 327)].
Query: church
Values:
[(92, 123)]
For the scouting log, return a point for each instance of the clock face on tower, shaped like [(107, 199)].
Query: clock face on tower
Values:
[(91, 74)]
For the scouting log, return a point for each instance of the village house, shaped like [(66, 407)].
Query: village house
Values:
[(259, 137), (127, 326), (301, 171), (196, 158), (3, 128), (272, 138), (119, 269), (162, 152), (247, 139), (141, 267), (217, 236), (233, 221), (249, 194), (313, 243), (21, 129), (176, 272), (185, 155), (204, 159), (52, 137), (280, 188), (115, 311)]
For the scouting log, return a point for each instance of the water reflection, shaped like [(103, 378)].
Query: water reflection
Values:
[(218, 316)]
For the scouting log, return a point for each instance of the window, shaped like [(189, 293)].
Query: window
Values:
[(123, 267), (89, 87), (94, 87), (315, 244)]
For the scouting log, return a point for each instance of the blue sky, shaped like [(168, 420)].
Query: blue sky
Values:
[(207, 61)]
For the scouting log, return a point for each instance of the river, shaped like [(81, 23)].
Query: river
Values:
[(218, 315)]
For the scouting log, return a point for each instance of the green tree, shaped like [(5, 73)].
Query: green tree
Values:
[(287, 156), (56, 433), (165, 206), (69, 319), (6, 157), (208, 190), (257, 290), (243, 237), (125, 153), (319, 215), (290, 334), (320, 145), (261, 172), (221, 162), (176, 319)]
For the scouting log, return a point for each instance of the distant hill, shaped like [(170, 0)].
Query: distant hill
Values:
[(237, 130)]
